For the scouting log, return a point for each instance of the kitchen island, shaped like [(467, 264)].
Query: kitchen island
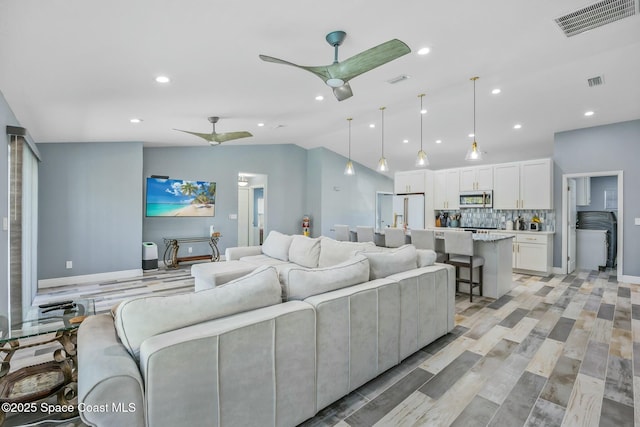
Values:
[(496, 249)]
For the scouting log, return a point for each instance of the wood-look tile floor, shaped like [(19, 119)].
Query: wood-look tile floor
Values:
[(555, 351)]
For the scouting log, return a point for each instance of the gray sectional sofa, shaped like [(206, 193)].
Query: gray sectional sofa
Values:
[(271, 348)]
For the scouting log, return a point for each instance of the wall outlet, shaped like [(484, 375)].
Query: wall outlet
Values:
[(233, 216), (69, 264), (637, 221), (190, 249)]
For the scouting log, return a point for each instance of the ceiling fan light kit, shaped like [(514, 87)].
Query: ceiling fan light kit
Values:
[(218, 138), (474, 154), (338, 74)]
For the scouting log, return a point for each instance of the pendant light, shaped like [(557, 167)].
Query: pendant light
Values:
[(382, 163), (421, 160), (474, 154), (348, 170)]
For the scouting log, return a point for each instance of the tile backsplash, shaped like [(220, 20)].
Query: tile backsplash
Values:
[(497, 218)]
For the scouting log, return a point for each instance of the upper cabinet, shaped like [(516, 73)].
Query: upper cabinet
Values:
[(446, 189), (523, 185), (583, 191), (410, 182), (476, 178)]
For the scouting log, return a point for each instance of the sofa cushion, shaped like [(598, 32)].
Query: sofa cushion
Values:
[(299, 283), (140, 318), (426, 257), (333, 252), (388, 262), (304, 251), (276, 245)]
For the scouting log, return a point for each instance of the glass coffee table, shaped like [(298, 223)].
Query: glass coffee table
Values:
[(52, 326)]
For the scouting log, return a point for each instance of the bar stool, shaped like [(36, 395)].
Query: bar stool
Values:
[(394, 237), (426, 239), (459, 248), (364, 233), (342, 232)]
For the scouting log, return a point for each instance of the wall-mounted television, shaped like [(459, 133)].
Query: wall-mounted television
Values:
[(181, 198)]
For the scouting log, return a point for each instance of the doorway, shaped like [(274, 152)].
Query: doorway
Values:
[(569, 212), (384, 210), (252, 216)]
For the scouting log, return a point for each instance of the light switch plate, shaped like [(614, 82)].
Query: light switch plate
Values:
[(233, 216), (637, 221)]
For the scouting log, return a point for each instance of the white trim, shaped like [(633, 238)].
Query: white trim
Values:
[(630, 279), (619, 215), (558, 270), (88, 278)]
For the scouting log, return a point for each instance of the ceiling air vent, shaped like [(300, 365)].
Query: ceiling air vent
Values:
[(596, 15), (398, 79), (595, 81)]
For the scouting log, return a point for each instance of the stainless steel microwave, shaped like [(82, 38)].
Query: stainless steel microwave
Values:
[(476, 199)]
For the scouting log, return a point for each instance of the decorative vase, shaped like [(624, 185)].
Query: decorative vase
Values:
[(455, 223)]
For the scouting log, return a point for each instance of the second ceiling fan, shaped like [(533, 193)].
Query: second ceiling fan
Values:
[(338, 74)]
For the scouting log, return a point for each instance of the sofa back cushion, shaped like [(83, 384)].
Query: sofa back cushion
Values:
[(426, 257), (304, 251), (299, 283), (140, 318), (276, 245), (333, 252), (388, 262)]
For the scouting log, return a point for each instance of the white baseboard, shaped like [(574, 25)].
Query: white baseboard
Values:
[(88, 278), (557, 270), (631, 279)]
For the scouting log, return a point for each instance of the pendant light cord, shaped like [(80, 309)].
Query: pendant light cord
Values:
[(382, 110), (349, 137), (421, 119), (474, 108)]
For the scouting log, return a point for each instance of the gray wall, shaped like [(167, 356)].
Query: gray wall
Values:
[(285, 193), (598, 149), (598, 186), (90, 208), (343, 199), (7, 118)]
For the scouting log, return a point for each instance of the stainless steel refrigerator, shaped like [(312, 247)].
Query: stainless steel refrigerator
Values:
[(409, 209)]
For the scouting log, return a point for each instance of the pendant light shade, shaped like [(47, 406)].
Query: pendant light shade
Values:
[(348, 169), (474, 154), (421, 160), (382, 163)]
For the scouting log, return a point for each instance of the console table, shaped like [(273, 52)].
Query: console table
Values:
[(171, 258)]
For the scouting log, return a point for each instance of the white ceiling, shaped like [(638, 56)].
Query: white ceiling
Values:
[(79, 70)]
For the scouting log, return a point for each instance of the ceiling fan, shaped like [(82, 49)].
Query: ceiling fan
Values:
[(338, 74), (218, 138)]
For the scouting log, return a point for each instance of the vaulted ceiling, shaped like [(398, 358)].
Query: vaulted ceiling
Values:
[(79, 70)]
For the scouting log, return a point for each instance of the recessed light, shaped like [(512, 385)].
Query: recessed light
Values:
[(319, 98), (135, 120), (471, 135), (372, 125), (423, 111), (405, 141), (589, 113), (163, 79), (260, 124), (517, 126), (496, 91), (424, 51), (438, 141)]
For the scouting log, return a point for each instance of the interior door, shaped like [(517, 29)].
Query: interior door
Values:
[(243, 216), (571, 226)]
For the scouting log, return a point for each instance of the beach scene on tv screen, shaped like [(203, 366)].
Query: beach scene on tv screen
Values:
[(173, 197)]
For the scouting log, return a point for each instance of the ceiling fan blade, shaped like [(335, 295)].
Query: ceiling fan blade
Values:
[(209, 137), (320, 71), (223, 137), (343, 92), (368, 60)]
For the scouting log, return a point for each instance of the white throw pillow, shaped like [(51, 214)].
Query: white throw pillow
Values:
[(386, 263), (304, 251), (333, 252), (299, 283), (426, 257), (276, 245), (140, 318)]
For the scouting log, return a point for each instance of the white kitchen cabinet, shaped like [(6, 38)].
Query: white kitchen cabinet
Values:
[(408, 182), (523, 185), (532, 251), (583, 191), (446, 191), (476, 178)]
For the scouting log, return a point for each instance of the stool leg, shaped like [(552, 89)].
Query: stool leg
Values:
[(457, 279), (481, 275), (470, 279)]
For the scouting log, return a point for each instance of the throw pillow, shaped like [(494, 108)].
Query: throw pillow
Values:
[(299, 283), (333, 252), (304, 251), (426, 257), (386, 263), (276, 245), (140, 318)]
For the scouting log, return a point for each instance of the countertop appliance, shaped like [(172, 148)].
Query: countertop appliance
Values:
[(476, 199), (409, 210)]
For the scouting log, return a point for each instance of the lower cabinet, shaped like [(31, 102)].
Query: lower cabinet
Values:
[(532, 252)]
